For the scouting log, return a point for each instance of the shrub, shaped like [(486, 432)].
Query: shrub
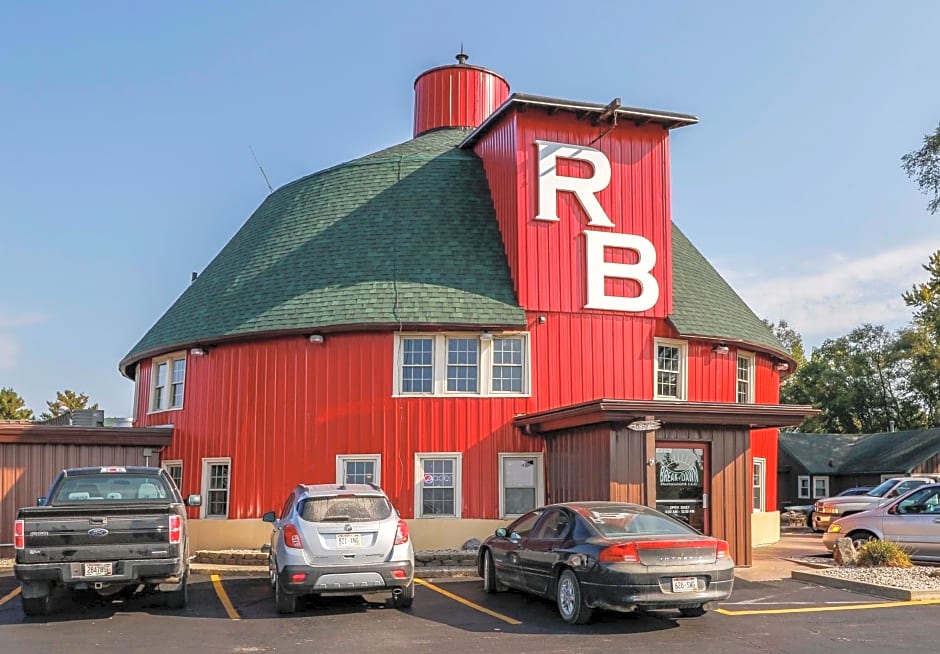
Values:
[(883, 553)]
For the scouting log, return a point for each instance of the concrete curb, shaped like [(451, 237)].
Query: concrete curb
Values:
[(889, 592)]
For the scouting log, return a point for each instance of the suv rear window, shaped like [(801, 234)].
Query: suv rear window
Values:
[(345, 508)]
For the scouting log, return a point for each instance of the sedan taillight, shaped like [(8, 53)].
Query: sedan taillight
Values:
[(623, 553), (401, 535), (176, 529), (292, 538), (724, 551), (19, 535)]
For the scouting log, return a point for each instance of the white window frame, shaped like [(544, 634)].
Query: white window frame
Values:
[(439, 341), (825, 480), (803, 487), (166, 403), (204, 509), (457, 457), (174, 463), (539, 464), (136, 408), (751, 371), (682, 382), (759, 470), (343, 459)]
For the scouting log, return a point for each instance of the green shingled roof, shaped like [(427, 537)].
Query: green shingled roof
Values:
[(888, 452), (704, 304), (406, 236)]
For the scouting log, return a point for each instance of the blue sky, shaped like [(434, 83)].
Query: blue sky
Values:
[(125, 130)]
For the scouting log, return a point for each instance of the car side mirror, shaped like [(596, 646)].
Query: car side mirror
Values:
[(40, 501), (501, 532), (269, 517), (194, 500)]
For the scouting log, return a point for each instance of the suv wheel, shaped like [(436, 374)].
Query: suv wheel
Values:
[(407, 597), (286, 602)]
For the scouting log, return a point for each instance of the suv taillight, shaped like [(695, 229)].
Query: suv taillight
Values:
[(176, 529), (19, 535), (292, 538), (401, 535)]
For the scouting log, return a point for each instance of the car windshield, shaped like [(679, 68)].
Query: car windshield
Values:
[(882, 488), (345, 508), (111, 488), (613, 523)]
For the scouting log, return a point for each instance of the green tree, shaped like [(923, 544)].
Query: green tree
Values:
[(790, 339), (923, 166), (921, 342), (12, 406), (66, 401)]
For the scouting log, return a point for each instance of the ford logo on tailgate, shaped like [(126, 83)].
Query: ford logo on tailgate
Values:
[(98, 531)]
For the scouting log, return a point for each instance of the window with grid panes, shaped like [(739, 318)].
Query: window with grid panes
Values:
[(669, 360), (758, 483), (417, 365), (175, 470), (507, 365), (168, 379), (358, 469), (438, 487), (463, 364), (745, 379), (521, 477), (216, 480)]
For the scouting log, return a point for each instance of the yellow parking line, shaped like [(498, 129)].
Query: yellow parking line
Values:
[(821, 609), (472, 605), (6, 598), (223, 597)]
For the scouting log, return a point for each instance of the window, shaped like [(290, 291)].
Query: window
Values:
[(820, 487), (438, 485), (803, 486), (745, 378), (461, 364), (175, 470), (670, 369), (552, 526), (359, 469), (216, 477), (168, 378), (520, 482), (758, 481)]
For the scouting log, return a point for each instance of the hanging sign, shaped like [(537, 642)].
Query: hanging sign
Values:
[(645, 425)]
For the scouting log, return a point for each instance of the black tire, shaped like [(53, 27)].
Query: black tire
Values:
[(272, 571), (692, 611), (571, 606), (490, 580), (859, 538), (286, 602), (36, 606), (407, 597), (177, 599)]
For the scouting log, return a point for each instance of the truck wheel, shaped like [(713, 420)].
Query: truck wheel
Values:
[(176, 599), (286, 603), (36, 606)]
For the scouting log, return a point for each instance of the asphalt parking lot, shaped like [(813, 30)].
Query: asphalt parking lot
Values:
[(237, 614)]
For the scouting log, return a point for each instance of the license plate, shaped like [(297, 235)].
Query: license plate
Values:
[(348, 540), (684, 584), (98, 569)]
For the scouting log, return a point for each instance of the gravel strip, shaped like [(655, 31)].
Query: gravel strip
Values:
[(920, 577)]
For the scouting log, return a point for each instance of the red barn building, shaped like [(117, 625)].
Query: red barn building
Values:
[(496, 314)]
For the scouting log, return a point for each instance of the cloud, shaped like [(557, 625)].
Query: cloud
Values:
[(21, 320), (8, 350), (829, 297)]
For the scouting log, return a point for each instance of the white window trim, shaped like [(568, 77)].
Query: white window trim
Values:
[(204, 509), (173, 462), (341, 460), (539, 480), (683, 347), (800, 493), (154, 364), (439, 364), (751, 371), (458, 483), (822, 478), (136, 408), (761, 463)]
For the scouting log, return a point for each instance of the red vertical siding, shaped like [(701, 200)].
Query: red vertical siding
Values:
[(457, 96)]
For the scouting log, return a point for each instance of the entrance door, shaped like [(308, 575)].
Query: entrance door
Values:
[(683, 482)]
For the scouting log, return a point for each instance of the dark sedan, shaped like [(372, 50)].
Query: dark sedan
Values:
[(610, 555)]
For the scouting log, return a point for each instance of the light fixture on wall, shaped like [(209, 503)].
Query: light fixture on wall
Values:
[(543, 320), (316, 338), (198, 352), (720, 348), (782, 366)]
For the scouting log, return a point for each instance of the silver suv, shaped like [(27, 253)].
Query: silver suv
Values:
[(339, 540)]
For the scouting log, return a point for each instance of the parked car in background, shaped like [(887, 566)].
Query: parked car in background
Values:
[(912, 521), (826, 511), (339, 540), (611, 555), (807, 509)]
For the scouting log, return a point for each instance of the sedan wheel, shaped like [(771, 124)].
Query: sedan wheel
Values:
[(490, 580), (692, 611), (571, 604)]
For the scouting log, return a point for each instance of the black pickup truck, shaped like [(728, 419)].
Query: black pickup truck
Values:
[(108, 530)]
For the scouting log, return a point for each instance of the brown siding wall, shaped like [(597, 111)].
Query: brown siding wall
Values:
[(579, 464), (730, 499), (27, 470), (930, 466), (631, 480)]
